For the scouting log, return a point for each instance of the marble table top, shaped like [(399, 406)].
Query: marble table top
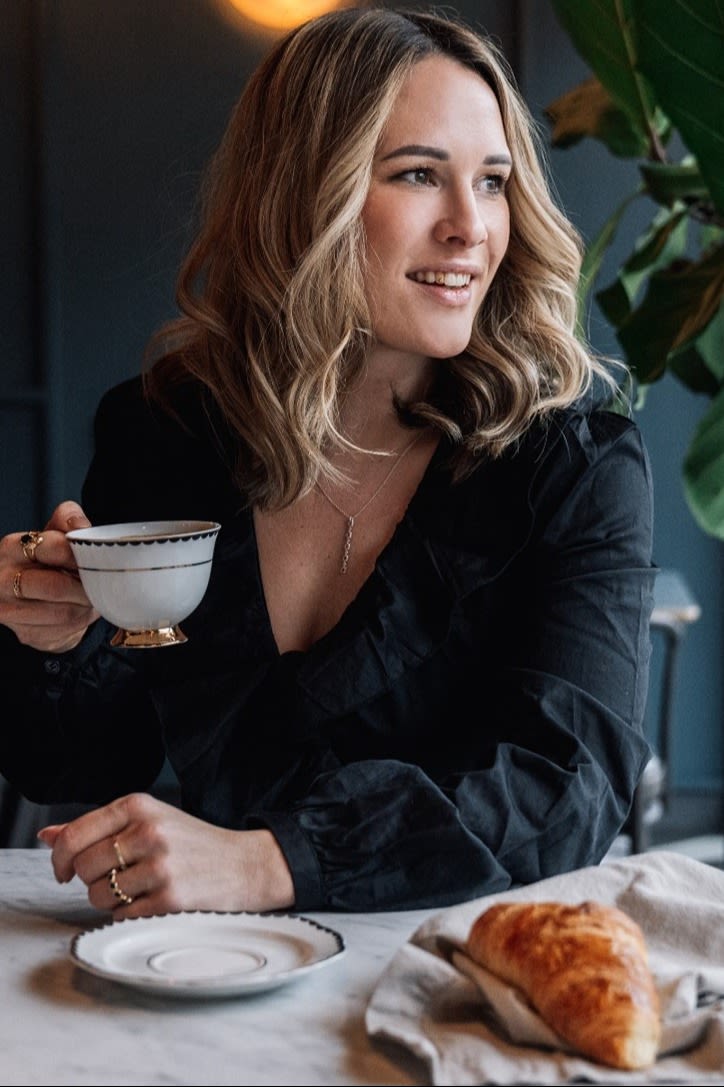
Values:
[(63, 1025)]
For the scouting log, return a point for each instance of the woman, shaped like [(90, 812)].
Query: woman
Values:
[(419, 671)]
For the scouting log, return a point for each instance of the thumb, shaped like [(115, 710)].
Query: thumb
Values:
[(68, 515)]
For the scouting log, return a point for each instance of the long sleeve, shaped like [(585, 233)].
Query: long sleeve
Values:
[(84, 726), (77, 727), (81, 726)]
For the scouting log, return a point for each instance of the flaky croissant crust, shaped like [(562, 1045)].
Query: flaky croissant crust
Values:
[(583, 967)]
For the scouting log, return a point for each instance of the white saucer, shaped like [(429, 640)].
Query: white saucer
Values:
[(206, 954)]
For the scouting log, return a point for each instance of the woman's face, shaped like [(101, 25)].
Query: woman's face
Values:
[(436, 216)]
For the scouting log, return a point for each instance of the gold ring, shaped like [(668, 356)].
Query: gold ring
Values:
[(122, 866), (29, 541), (117, 892), (17, 585)]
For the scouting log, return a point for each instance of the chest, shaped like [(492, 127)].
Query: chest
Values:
[(315, 555), (313, 564)]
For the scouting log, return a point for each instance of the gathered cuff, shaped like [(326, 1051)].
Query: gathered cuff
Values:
[(299, 855)]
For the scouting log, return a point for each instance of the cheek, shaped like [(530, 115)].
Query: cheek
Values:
[(503, 232), (382, 244), (498, 242), (388, 225), (373, 222), (384, 260)]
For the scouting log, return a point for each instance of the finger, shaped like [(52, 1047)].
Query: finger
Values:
[(55, 549), (90, 829), (138, 883), (52, 550), (95, 862), (143, 905), (48, 834), (117, 890), (31, 619), (102, 897), (49, 639), (46, 584), (67, 516)]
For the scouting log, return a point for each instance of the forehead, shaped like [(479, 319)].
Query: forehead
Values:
[(444, 100)]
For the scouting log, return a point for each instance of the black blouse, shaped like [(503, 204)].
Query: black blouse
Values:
[(472, 722)]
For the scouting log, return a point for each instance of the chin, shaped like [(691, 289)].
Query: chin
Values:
[(449, 342), (437, 344), (449, 349)]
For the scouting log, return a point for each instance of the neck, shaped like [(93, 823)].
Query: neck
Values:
[(351, 515), (369, 415)]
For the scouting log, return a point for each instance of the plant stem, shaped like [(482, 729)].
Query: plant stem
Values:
[(656, 149)]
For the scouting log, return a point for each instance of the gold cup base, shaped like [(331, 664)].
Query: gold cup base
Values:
[(148, 639)]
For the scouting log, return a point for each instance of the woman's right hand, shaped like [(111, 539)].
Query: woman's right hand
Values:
[(41, 598)]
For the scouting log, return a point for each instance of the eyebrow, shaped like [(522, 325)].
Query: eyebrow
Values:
[(422, 151)]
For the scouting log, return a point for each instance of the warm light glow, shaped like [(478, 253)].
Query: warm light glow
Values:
[(282, 14)]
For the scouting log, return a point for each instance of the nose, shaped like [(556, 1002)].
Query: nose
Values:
[(462, 220)]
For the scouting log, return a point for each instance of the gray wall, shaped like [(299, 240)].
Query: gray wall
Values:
[(108, 114)]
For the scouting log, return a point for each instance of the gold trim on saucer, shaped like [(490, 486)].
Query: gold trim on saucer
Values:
[(148, 639)]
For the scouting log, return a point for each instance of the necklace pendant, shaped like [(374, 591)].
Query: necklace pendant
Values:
[(347, 545), (350, 519)]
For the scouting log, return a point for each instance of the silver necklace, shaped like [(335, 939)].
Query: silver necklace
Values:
[(350, 518)]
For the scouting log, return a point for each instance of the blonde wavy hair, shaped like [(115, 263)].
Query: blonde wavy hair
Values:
[(274, 320)]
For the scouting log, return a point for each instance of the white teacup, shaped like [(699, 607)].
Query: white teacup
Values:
[(145, 577)]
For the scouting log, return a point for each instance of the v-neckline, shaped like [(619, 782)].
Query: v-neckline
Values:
[(367, 585)]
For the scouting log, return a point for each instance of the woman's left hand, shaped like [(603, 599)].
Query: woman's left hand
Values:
[(139, 857)]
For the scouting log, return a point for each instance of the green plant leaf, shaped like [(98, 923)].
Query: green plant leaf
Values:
[(622, 398), (707, 277), (596, 251), (691, 370), (701, 365), (667, 183), (710, 237), (603, 33), (679, 303), (663, 242), (710, 346), (681, 53), (588, 110), (703, 470), (661, 62), (642, 392)]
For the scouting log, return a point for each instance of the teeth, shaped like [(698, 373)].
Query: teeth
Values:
[(444, 279)]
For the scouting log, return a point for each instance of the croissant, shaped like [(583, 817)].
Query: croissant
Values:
[(584, 968)]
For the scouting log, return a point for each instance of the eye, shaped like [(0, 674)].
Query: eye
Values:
[(419, 175), (493, 184)]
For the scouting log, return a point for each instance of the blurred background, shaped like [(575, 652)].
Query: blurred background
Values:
[(108, 113)]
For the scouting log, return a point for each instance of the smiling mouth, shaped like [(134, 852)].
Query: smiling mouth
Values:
[(443, 279)]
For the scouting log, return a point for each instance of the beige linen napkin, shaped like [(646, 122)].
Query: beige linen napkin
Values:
[(471, 1028)]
